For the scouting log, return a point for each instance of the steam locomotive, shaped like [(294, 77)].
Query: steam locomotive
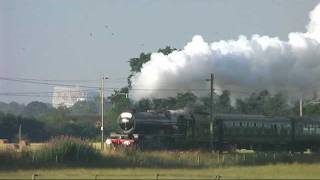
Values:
[(181, 129), (151, 129)]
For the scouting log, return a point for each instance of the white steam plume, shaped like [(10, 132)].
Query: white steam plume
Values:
[(245, 64)]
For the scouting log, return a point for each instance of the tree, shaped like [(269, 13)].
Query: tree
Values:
[(264, 103), (185, 99), (224, 102), (86, 107), (36, 109), (137, 63), (143, 105), (277, 105), (119, 100)]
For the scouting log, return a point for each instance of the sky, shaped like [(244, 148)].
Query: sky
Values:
[(86, 39)]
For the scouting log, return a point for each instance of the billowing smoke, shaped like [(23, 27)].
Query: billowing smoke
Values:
[(242, 65)]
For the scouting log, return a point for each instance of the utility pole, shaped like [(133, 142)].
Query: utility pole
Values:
[(211, 111), (20, 133), (102, 111), (306, 103), (300, 104)]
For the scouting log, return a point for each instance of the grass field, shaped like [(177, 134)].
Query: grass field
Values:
[(278, 171), (123, 164)]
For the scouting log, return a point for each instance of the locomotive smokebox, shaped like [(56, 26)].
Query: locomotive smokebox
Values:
[(126, 122)]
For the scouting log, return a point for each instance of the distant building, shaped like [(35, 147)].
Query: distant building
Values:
[(67, 96)]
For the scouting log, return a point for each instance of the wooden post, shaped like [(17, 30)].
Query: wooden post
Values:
[(157, 176), (34, 176), (198, 160), (222, 158), (218, 157), (274, 156)]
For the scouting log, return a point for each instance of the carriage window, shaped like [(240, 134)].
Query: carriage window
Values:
[(233, 124), (240, 124), (247, 124), (255, 124)]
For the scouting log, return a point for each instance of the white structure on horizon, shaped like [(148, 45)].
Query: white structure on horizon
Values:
[(67, 96)]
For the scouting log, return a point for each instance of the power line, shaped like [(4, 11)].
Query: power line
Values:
[(51, 80), (46, 83)]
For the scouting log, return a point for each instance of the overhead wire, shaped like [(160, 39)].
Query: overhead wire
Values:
[(107, 89)]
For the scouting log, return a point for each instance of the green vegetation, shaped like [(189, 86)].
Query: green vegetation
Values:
[(61, 149), (74, 152), (67, 157), (67, 149)]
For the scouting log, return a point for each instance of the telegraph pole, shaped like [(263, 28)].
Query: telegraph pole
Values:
[(102, 111), (211, 111), (300, 106), (20, 133)]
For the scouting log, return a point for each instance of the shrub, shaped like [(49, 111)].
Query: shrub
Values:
[(7, 155), (67, 149)]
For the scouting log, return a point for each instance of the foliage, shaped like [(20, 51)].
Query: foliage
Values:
[(264, 103), (31, 128), (11, 108), (137, 63), (67, 149), (36, 109), (120, 103), (86, 107)]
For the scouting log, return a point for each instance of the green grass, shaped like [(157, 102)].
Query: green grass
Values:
[(283, 171), (136, 164)]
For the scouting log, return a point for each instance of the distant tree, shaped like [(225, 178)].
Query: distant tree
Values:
[(31, 128), (36, 109), (185, 99), (137, 63), (119, 100), (86, 107), (277, 105), (224, 102), (143, 105), (167, 50), (264, 103), (241, 106), (11, 108), (8, 126)]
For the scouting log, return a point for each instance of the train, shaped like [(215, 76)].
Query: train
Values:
[(180, 129)]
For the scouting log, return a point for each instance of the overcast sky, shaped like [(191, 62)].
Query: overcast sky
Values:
[(83, 39)]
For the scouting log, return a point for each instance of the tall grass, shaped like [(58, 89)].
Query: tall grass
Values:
[(199, 159), (75, 152), (59, 150), (67, 149)]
